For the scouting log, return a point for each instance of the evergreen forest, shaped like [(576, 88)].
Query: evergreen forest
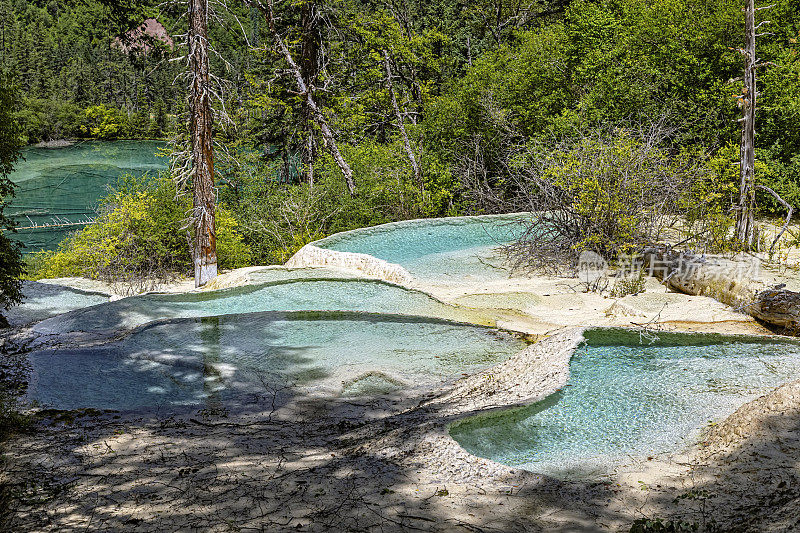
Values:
[(439, 108)]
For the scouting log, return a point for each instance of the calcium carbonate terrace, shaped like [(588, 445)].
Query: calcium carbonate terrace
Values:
[(331, 331)]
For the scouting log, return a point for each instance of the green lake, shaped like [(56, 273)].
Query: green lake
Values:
[(60, 187)]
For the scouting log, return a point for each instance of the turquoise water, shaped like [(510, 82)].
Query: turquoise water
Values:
[(43, 301), (281, 295), (239, 357), (65, 184), (438, 249), (628, 399)]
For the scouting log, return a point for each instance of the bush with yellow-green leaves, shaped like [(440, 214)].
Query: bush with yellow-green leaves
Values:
[(139, 238), (609, 191)]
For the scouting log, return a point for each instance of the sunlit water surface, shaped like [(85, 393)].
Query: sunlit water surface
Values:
[(627, 399), (301, 294), (459, 248)]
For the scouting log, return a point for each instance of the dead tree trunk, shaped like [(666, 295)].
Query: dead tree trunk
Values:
[(399, 117), (745, 223), (309, 66), (204, 250), (730, 282), (306, 91)]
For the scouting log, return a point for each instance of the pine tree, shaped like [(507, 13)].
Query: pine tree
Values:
[(11, 265)]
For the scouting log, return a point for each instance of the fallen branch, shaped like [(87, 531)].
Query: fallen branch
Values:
[(726, 282)]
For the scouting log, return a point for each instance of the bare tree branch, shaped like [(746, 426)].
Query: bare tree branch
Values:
[(307, 92)]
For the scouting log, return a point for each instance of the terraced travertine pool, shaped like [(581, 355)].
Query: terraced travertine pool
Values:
[(444, 249), (303, 294), (629, 397), (323, 330), (194, 361), (44, 300)]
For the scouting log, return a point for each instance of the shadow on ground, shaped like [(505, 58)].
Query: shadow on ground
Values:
[(746, 475), (280, 460), (286, 462)]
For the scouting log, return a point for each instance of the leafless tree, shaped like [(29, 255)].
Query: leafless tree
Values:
[(305, 90), (745, 229), (745, 224), (193, 158), (204, 249), (412, 158)]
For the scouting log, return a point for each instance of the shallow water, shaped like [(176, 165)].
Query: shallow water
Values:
[(65, 184), (627, 399), (201, 361), (43, 301), (436, 249), (302, 294)]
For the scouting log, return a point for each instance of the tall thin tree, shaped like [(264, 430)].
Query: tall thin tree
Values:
[(399, 118), (745, 224), (306, 91), (204, 249), (745, 229)]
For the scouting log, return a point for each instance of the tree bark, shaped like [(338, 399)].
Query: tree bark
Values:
[(729, 282), (204, 246), (745, 224), (411, 157)]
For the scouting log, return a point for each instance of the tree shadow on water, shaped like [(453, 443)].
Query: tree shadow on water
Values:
[(277, 457)]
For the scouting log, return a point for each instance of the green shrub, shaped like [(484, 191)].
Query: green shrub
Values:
[(232, 252), (708, 203), (103, 122), (631, 283), (140, 236), (608, 192), (277, 219)]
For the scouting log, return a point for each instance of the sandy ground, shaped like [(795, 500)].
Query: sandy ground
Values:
[(291, 461), (318, 464)]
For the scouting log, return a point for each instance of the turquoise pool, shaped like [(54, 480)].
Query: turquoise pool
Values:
[(437, 249), (627, 399), (301, 294), (197, 361), (43, 301)]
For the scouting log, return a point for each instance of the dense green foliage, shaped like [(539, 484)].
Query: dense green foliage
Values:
[(474, 86), (67, 62), (276, 220), (11, 265), (139, 237), (78, 80), (609, 61)]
